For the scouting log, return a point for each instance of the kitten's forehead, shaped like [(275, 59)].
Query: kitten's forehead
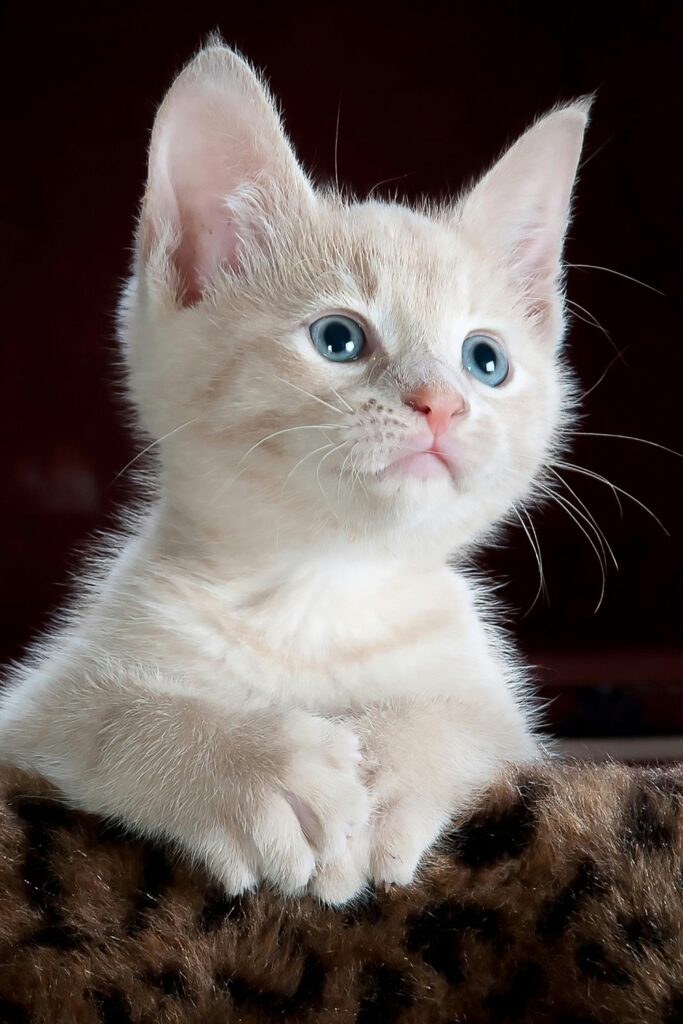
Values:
[(410, 246), (399, 259)]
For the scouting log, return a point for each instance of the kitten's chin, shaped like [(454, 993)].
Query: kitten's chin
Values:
[(420, 480), (420, 465)]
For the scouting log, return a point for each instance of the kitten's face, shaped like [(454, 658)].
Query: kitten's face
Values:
[(359, 367)]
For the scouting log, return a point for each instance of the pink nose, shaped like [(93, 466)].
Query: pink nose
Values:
[(438, 407)]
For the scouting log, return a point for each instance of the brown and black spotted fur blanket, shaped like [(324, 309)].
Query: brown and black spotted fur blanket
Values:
[(559, 899)]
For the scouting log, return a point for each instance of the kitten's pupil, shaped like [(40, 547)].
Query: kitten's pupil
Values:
[(485, 357), (338, 337)]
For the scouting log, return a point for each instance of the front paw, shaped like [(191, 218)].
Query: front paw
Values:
[(322, 785), (402, 833), (346, 876), (307, 820)]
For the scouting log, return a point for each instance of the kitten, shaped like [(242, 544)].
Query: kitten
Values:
[(280, 671)]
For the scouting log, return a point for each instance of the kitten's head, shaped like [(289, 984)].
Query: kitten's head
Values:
[(332, 368)]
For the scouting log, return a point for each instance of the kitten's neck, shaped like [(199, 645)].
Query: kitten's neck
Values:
[(250, 549)]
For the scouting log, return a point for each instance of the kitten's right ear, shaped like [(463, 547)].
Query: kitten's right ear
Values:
[(518, 212), (217, 138)]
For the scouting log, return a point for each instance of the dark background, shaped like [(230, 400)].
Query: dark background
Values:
[(427, 95)]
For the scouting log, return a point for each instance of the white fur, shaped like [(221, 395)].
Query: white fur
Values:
[(282, 669)]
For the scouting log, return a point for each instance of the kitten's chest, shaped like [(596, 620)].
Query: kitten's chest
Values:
[(331, 643)]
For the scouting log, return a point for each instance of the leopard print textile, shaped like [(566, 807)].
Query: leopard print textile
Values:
[(560, 898)]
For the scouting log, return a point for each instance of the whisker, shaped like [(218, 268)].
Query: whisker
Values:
[(336, 448), (595, 152), (342, 399), (374, 358), (535, 547), (386, 181), (315, 451), (287, 430), (617, 273), (317, 476), (594, 322), (336, 147), (310, 395), (357, 476), (629, 437), (570, 510), (619, 355), (570, 467), (343, 467), (596, 526), (149, 448)]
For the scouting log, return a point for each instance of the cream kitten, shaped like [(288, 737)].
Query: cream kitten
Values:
[(279, 671)]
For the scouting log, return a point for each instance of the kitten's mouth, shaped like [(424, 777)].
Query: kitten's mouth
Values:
[(423, 465)]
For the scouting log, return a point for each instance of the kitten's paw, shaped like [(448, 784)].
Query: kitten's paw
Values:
[(316, 803), (342, 879), (286, 857), (230, 860), (321, 784), (402, 834)]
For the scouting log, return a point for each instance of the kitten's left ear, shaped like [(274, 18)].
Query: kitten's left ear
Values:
[(217, 143), (519, 211)]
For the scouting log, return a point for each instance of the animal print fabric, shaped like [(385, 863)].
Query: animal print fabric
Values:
[(559, 898)]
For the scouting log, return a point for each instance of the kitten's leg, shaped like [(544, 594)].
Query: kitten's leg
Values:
[(258, 796), (429, 758)]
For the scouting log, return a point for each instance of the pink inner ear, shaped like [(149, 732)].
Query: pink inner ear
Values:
[(535, 255), (207, 240), (217, 132), (520, 208), (193, 181)]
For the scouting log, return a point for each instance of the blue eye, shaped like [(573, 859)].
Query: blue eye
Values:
[(485, 359), (338, 338)]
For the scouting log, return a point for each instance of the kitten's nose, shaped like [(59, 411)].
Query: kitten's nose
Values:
[(439, 407)]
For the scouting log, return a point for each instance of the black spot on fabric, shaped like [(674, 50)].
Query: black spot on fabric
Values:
[(645, 824), (673, 1014), (495, 835), (114, 833), (278, 1005), (386, 994), (592, 961), (157, 875), (511, 1001), (172, 982), (244, 994), (643, 933), (557, 912), (667, 782), (220, 908), (311, 985), (42, 819), (366, 909), (43, 814), (437, 933), (13, 1013), (112, 1007), (57, 936), (439, 948)]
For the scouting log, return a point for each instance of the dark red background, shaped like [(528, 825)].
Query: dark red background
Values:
[(428, 94)]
